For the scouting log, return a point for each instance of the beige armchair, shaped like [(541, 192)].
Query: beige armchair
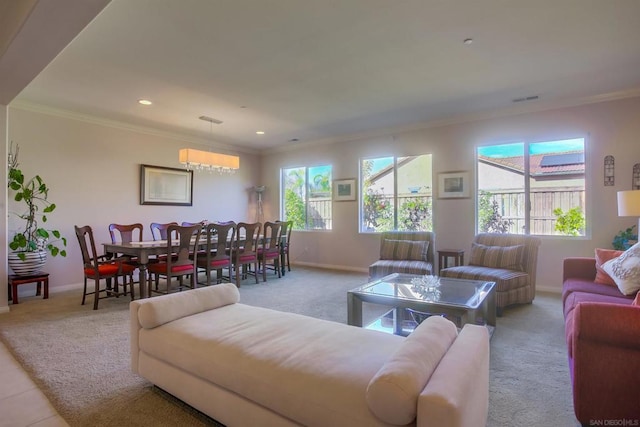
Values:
[(510, 260), (408, 252)]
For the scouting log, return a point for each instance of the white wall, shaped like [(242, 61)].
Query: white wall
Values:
[(93, 172), (610, 128)]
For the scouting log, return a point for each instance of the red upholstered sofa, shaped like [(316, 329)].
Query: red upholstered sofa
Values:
[(602, 329)]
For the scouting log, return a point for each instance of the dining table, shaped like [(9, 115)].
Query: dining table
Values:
[(148, 249), (143, 251)]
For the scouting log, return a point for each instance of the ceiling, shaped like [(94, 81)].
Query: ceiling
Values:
[(335, 69)]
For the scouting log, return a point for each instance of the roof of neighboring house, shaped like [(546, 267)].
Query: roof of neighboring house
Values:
[(567, 163), (385, 171)]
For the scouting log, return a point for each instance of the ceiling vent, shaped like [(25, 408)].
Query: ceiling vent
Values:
[(526, 98)]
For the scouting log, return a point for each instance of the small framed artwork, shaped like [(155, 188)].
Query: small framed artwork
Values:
[(165, 186), (453, 185), (344, 190)]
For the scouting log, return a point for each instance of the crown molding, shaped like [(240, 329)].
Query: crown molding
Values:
[(534, 107), (88, 118)]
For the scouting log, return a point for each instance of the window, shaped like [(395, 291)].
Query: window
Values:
[(396, 194), (532, 188), (307, 197)]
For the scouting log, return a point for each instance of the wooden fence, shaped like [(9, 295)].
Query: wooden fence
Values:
[(511, 206)]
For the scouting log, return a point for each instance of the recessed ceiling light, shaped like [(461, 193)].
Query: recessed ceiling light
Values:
[(144, 102), (260, 132), (467, 41)]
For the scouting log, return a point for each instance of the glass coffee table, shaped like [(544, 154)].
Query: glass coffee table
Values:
[(462, 301)]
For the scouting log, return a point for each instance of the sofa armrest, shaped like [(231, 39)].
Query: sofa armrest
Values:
[(457, 393), (608, 324), (579, 268), (134, 328), (606, 362)]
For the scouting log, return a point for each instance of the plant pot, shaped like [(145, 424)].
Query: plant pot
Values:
[(34, 262)]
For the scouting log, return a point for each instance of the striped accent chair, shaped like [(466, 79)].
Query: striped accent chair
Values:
[(510, 260), (408, 252)]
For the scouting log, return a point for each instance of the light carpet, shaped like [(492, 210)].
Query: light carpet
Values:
[(80, 357)]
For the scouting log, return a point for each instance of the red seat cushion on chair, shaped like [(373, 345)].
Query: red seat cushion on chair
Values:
[(269, 252), (161, 268), (220, 263), (109, 269), (245, 258), (128, 269)]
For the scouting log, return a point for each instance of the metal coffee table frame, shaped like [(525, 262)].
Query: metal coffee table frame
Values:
[(470, 301)]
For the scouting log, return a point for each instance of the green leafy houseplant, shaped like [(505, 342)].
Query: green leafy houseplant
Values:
[(622, 240), (34, 193)]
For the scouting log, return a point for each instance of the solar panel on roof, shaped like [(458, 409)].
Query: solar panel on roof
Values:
[(562, 159)]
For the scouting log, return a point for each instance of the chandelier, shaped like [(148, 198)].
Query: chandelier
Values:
[(207, 160)]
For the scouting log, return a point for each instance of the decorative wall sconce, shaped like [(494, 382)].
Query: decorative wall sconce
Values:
[(609, 171), (635, 185)]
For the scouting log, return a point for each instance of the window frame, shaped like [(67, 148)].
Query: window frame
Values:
[(527, 142), (396, 208), (307, 192)]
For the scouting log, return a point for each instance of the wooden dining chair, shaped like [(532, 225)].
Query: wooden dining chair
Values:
[(180, 260), (269, 250), (245, 253), (159, 230), (190, 224), (101, 268), (217, 254), (287, 226), (126, 233)]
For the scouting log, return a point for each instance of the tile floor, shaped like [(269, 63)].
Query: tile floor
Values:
[(21, 402)]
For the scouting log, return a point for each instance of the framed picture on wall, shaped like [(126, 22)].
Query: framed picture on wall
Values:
[(344, 190), (165, 186), (453, 185)]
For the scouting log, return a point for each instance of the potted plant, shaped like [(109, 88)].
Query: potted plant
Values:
[(625, 239), (31, 245)]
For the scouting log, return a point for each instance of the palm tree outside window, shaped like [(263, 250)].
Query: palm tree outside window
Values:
[(306, 197)]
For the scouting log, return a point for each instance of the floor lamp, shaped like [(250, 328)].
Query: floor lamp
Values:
[(259, 213), (629, 204)]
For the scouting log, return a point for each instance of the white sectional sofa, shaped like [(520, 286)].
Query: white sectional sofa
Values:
[(250, 366)]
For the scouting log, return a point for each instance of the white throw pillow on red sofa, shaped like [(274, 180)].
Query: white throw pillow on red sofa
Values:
[(625, 270)]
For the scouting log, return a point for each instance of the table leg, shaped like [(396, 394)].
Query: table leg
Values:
[(354, 310), (490, 308), (145, 291), (398, 320), (14, 288)]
